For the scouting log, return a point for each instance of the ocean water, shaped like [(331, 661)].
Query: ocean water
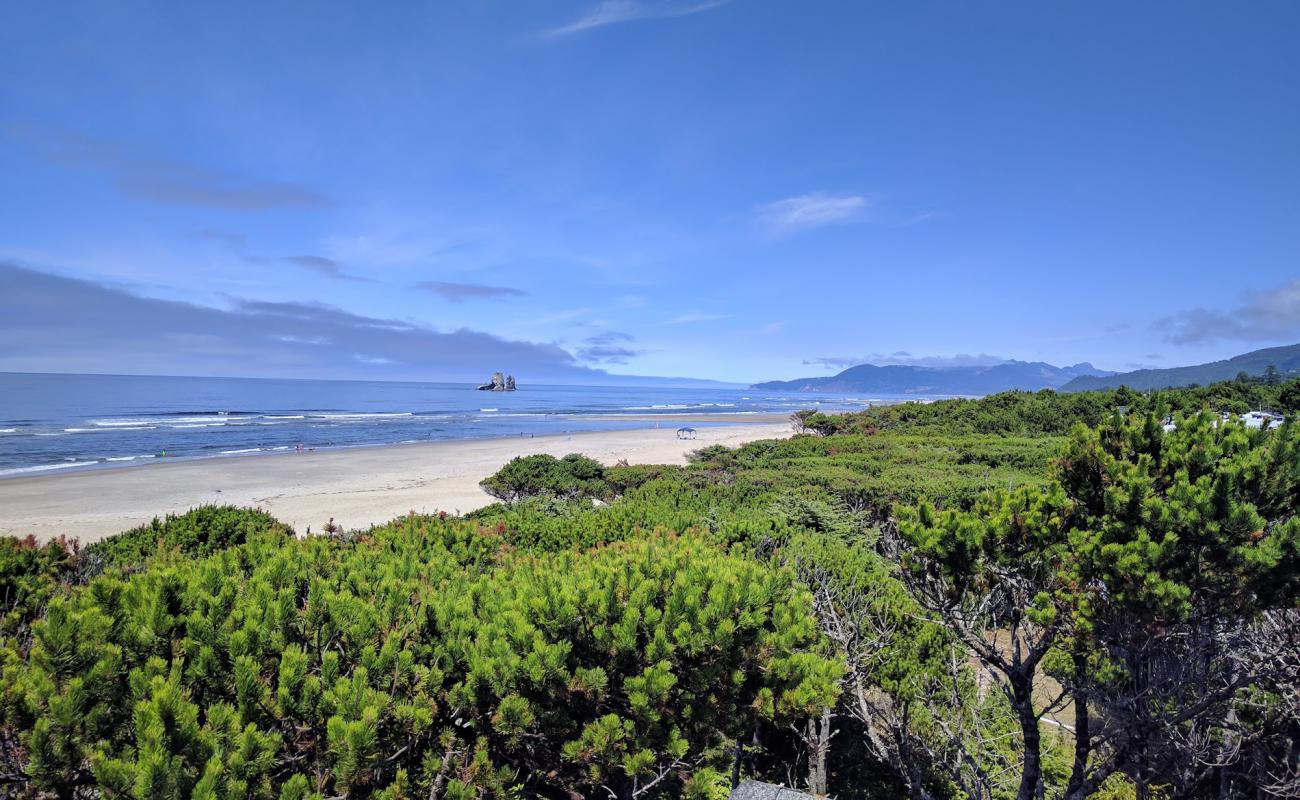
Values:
[(55, 423)]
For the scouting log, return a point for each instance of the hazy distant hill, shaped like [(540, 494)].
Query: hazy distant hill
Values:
[(902, 379), (1286, 359)]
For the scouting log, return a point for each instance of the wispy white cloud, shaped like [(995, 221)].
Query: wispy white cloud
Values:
[(917, 219), (565, 315), (613, 12), (811, 211), (695, 316)]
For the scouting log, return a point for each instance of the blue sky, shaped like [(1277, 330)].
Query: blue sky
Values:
[(739, 190)]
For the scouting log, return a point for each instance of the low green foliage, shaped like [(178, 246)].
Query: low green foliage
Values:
[(574, 476), (1055, 413), (199, 532), (1009, 413), (422, 649), (30, 575)]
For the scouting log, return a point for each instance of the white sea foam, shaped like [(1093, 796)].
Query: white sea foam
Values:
[(135, 422), (121, 423), (8, 430), (127, 458), (47, 467), (488, 409), (206, 418), (246, 450), (360, 415), (661, 407)]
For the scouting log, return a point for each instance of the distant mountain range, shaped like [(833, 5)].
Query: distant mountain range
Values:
[(1286, 359), (905, 379), (1032, 376)]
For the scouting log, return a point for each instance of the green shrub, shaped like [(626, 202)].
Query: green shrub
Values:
[(624, 477), (571, 477), (30, 575), (198, 532), (420, 649)]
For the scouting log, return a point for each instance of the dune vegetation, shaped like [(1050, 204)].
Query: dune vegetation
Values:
[(1027, 595)]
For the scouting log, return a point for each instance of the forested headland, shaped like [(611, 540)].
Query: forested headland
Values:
[(1030, 595)]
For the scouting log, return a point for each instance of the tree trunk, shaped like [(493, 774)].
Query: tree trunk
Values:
[(1082, 730), (735, 765), (915, 781), (1022, 688), (819, 746)]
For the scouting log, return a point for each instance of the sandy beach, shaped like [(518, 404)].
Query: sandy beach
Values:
[(356, 487)]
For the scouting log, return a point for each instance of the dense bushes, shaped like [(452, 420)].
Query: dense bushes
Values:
[(1009, 413), (1156, 578), (568, 478), (871, 473), (422, 653), (1055, 413), (198, 532), (31, 574)]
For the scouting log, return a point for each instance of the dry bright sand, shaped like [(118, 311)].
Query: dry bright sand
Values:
[(356, 487)]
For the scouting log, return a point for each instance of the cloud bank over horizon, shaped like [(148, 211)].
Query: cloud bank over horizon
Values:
[(54, 323), (1264, 316)]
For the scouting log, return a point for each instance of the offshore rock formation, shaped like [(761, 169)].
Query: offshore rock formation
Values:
[(500, 383)]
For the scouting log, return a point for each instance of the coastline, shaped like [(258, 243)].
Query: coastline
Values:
[(356, 486), (617, 421)]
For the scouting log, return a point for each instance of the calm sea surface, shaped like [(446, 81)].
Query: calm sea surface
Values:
[(51, 423)]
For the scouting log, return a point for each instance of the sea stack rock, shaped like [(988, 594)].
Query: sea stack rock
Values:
[(500, 383)]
